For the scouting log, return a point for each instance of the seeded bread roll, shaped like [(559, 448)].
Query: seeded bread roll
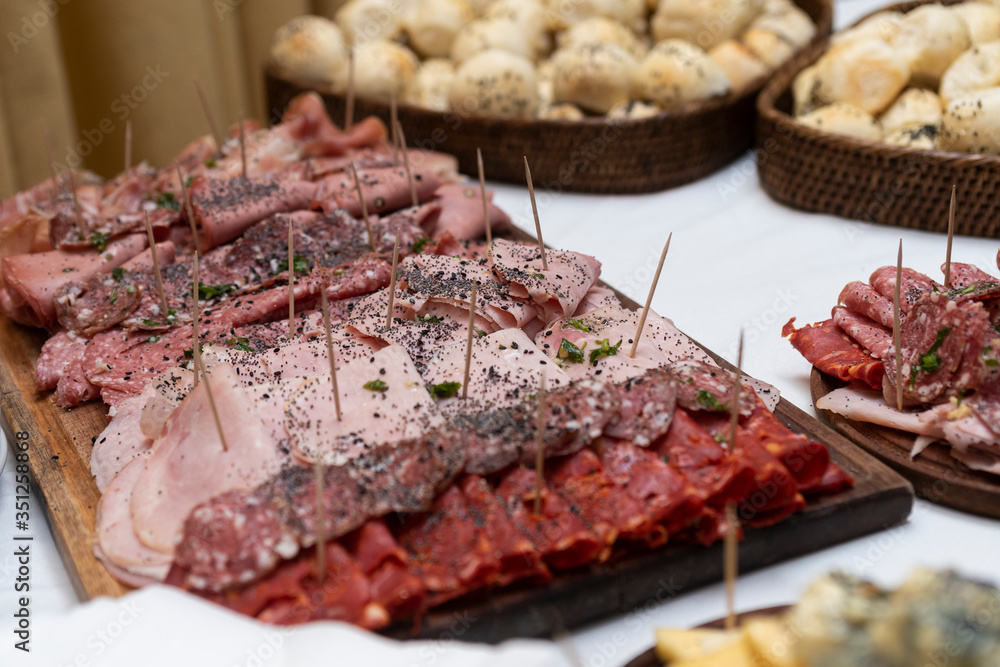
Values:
[(785, 19), (594, 76), (544, 74), (883, 26), (976, 69), (367, 20), (924, 137), (432, 25), (563, 111), (930, 38), (866, 73), (495, 82), (431, 86), (311, 48), (633, 110), (971, 124), (704, 23), (982, 20), (676, 72), (844, 119), (564, 13), (603, 29), (770, 48), (916, 106), (488, 34), (805, 91), (383, 69), (530, 15), (738, 62)]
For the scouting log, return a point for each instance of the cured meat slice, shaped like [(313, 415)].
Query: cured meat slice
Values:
[(774, 495), (979, 368), (862, 299), (385, 189), (385, 563), (915, 286), (665, 494), (122, 441), (873, 337), (833, 481), (447, 551), (807, 461), (556, 291), (647, 407), (970, 282), (702, 386), (828, 348), (556, 532), (596, 297), (58, 353), (610, 512), (461, 213), (519, 560)]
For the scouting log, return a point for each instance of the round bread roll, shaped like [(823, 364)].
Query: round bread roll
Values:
[(431, 86), (924, 137), (738, 62), (530, 15), (865, 73), (701, 22), (563, 111), (479, 7), (770, 48), (676, 72), (930, 38), (311, 48), (495, 82), (844, 119), (368, 20), (884, 26), (564, 13), (982, 20), (976, 69), (594, 76), (383, 69), (971, 124), (805, 89), (603, 29), (486, 34), (432, 25), (787, 21), (633, 110), (916, 106), (545, 75)]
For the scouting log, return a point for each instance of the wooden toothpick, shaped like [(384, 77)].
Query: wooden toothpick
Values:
[(486, 203), (291, 279), (394, 121), (156, 268), (731, 560), (897, 333), (211, 404), (243, 147), (189, 209), (329, 353), (468, 345), (128, 145), (649, 297), (406, 163), (195, 314), (364, 207), (349, 111), (534, 209), (212, 125), (951, 236), (392, 282), (540, 445)]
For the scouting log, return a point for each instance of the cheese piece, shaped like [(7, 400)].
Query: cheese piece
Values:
[(683, 645)]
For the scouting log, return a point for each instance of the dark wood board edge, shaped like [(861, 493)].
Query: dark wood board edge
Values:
[(650, 659), (57, 466), (935, 475)]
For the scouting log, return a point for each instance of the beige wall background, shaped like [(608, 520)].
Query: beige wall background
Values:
[(85, 67)]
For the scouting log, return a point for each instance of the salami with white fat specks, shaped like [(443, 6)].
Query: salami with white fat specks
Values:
[(647, 408), (701, 386)]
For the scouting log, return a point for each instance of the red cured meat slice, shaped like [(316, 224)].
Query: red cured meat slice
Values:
[(834, 480), (665, 494), (915, 285), (461, 213), (610, 512), (862, 299), (385, 189), (518, 558), (828, 348), (702, 386), (647, 408), (807, 461), (556, 532), (873, 337), (774, 495), (58, 353), (384, 562)]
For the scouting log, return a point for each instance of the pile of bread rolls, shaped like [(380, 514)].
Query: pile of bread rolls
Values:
[(555, 59), (928, 79)]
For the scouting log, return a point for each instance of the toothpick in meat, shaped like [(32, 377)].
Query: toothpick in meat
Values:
[(128, 145), (468, 345), (195, 314), (951, 236), (156, 268), (329, 353), (392, 283), (649, 297), (406, 163), (212, 125), (349, 111), (211, 404), (897, 333), (731, 560), (291, 279), (364, 208), (189, 209), (534, 209), (486, 203)]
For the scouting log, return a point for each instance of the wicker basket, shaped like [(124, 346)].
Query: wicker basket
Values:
[(592, 155), (868, 181)]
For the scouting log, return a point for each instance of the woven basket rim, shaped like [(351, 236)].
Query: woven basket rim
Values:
[(767, 105)]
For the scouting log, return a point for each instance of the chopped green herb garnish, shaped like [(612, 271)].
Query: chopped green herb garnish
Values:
[(150, 323), (376, 385), (540, 276), (576, 324), (154, 339), (189, 353), (240, 343), (929, 362), (99, 241), (118, 273), (570, 352), (707, 400), (171, 315), (130, 289), (720, 438), (445, 389), (479, 332), (604, 349), (420, 243), (212, 291), (167, 200), (114, 295), (210, 163), (300, 263), (430, 319)]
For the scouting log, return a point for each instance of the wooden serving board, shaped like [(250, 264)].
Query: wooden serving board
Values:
[(61, 443), (935, 475)]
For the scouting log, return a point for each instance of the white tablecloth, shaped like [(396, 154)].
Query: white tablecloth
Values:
[(737, 259)]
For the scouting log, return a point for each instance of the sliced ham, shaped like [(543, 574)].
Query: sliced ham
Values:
[(460, 213), (122, 440), (385, 189)]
